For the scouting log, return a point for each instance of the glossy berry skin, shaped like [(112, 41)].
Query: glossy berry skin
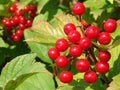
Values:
[(26, 9), (69, 27), (4, 21), (75, 51), (102, 67), (104, 38), (84, 23), (12, 9), (19, 33), (74, 36), (16, 38), (92, 32), (78, 9), (16, 19), (104, 56), (61, 44), (90, 77), (110, 25), (53, 53), (29, 23), (19, 13), (22, 20), (66, 77), (61, 61), (85, 43), (82, 65), (22, 26), (12, 22), (8, 23)]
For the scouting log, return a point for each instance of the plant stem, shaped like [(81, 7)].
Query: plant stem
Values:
[(71, 59), (105, 79), (93, 58), (54, 68), (81, 26)]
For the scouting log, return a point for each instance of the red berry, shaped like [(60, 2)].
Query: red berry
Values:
[(62, 44), (22, 26), (78, 8), (22, 20), (74, 36), (12, 22), (75, 51), (8, 23), (102, 67), (19, 13), (16, 38), (29, 23), (8, 28), (66, 77), (16, 4), (33, 8), (32, 14), (19, 33), (110, 25), (16, 19), (12, 9), (4, 21), (69, 27), (82, 65), (104, 56), (61, 61), (85, 43), (92, 32), (90, 77), (84, 23), (53, 53), (104, 38), (26, 9)]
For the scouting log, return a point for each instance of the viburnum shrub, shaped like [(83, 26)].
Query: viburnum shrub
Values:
[(78, 43), (19, 20)]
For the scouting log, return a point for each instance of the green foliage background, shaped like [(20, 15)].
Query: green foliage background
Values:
[(33, 70)]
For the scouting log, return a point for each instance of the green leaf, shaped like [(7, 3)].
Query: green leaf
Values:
[(4, 1), (40, 49), (111, 1), (39, 17), (96, 6), (47, 33), (23, 3), (41, 81), (115, 84), (23, 72), (2, 43), (18, 66), (13, 84), (115, 44)]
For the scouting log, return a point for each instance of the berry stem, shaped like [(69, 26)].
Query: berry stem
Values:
[(71, 62), (55, 71), (81, 26), (105, 79), (93, 58)]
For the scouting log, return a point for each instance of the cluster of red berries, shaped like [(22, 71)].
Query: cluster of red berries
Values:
[(19, 20), (77, 44)]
